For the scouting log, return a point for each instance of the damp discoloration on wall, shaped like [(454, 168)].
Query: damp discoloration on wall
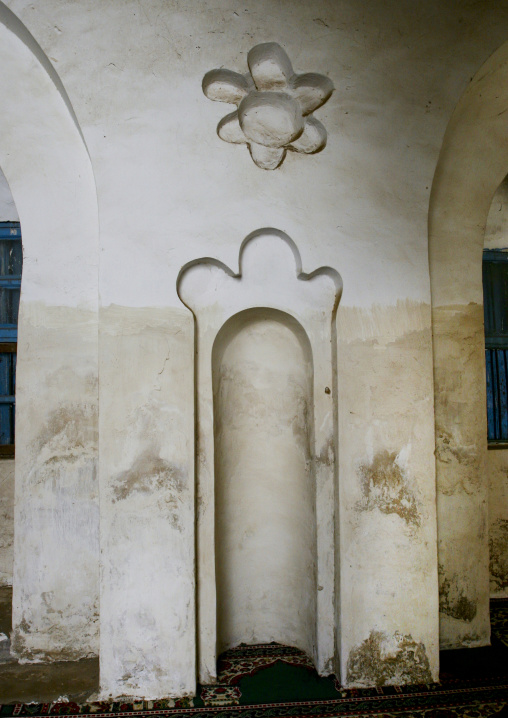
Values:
[(461, 452), (497, 470), (148, 474), (147, 502), (70, 429), (386, 488), (498, 545), (6, 521), (387, 492), (381, 660), (459, 365), (67, 445), (152, 475), (55, 594), (453, 601), (28, 649)]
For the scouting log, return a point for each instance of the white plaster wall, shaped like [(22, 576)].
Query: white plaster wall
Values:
[(147, 637), (170, 191), (265, 519), (496, 230), (8, 211), (363, 199), (56, 550), (386, 501)]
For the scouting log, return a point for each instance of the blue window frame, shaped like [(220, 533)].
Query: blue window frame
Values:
[(495, 307), (11, 263)]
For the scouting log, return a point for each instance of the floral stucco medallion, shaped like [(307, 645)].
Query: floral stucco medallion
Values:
[(274, 106)]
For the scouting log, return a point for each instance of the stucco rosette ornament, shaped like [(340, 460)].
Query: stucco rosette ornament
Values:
[(275, 106)]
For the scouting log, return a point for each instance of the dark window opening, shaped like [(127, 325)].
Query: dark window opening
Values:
[(11, 262), (495, 307)]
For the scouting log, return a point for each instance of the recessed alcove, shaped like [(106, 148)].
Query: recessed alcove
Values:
[(266, 449), (265, 517)]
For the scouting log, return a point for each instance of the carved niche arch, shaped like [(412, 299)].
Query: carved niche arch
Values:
[(267, 292)]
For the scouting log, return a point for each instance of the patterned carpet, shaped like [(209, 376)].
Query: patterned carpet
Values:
[(273, 681)]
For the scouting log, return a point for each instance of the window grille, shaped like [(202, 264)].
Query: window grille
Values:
[(495, 307), (11, 261)]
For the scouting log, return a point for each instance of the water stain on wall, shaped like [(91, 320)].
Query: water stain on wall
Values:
[(69, 434), (381, 660), (6, 521), (18, 641), (25, 652), (460, 423), (76, 421), (498, 546), (385, 487), (453, 598), (448, 449), (150, 474)]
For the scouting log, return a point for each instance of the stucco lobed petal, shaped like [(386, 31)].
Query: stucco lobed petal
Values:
[(312, 139), (268, 158), (229, 129), (269, 66), (272, 119), (311, 90), (225, 86)]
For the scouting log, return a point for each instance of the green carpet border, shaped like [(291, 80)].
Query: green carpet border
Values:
[(397, 703)]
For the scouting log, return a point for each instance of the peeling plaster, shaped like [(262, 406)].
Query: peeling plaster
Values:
[(6, 521), (453, 599), (381, 660), (498, 544), (497, 468), (385, 486), (69, 434), (154, 476), (462, 488)]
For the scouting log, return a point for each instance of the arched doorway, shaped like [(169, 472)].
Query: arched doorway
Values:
[(472, 163), (56, 543)]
